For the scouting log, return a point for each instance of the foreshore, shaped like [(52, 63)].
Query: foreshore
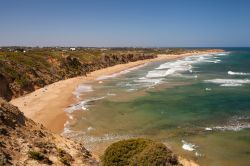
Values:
[(46, 105)]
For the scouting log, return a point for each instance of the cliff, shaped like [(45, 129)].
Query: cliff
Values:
[(24, 142)]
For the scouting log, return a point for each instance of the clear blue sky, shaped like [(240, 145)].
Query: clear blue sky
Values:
[(161, 23)]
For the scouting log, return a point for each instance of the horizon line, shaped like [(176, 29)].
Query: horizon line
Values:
[(125, 46)]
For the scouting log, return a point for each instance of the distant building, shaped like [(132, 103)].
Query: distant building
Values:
[(72, 49)]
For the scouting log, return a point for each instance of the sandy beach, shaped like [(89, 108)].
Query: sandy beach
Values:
[(46, 105)]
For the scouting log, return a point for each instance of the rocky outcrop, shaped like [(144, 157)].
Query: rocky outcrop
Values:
[(25, 72), (24, 142)]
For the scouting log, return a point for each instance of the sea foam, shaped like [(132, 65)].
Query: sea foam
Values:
[(236, 123), (83, 105), (229, 82), (188, 146), (233, 127), (179, 66), (237, 73), (66, 129), (224, 53)]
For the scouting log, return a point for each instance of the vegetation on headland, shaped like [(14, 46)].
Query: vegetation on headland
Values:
[(138, 152)]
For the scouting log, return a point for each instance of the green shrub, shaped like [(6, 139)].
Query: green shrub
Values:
[(36, 155), (138, 152)]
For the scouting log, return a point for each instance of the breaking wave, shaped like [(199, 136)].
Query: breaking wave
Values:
[(229, 82), (224, 53), (233, 127), (66, 129), (236, 123), (188, 146), (83, 105), (237, 73), (177, 69)]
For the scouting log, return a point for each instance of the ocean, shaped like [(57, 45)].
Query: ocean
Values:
[(199, 106)]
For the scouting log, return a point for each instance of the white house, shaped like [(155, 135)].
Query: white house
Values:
[(72, 49)]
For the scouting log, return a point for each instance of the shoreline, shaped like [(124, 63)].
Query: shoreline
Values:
[(46, 105)]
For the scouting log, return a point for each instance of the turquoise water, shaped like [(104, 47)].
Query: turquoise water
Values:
[(199, 106)]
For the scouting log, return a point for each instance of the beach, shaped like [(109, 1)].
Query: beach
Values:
[(46, 105)]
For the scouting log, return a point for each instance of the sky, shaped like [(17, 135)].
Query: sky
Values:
[(125, 23)]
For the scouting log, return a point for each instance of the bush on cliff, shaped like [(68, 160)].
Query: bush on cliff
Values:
[(138, 152), (39, 157)]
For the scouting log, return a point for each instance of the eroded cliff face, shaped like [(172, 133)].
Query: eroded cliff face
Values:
[(23, 73), (24, 142)]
